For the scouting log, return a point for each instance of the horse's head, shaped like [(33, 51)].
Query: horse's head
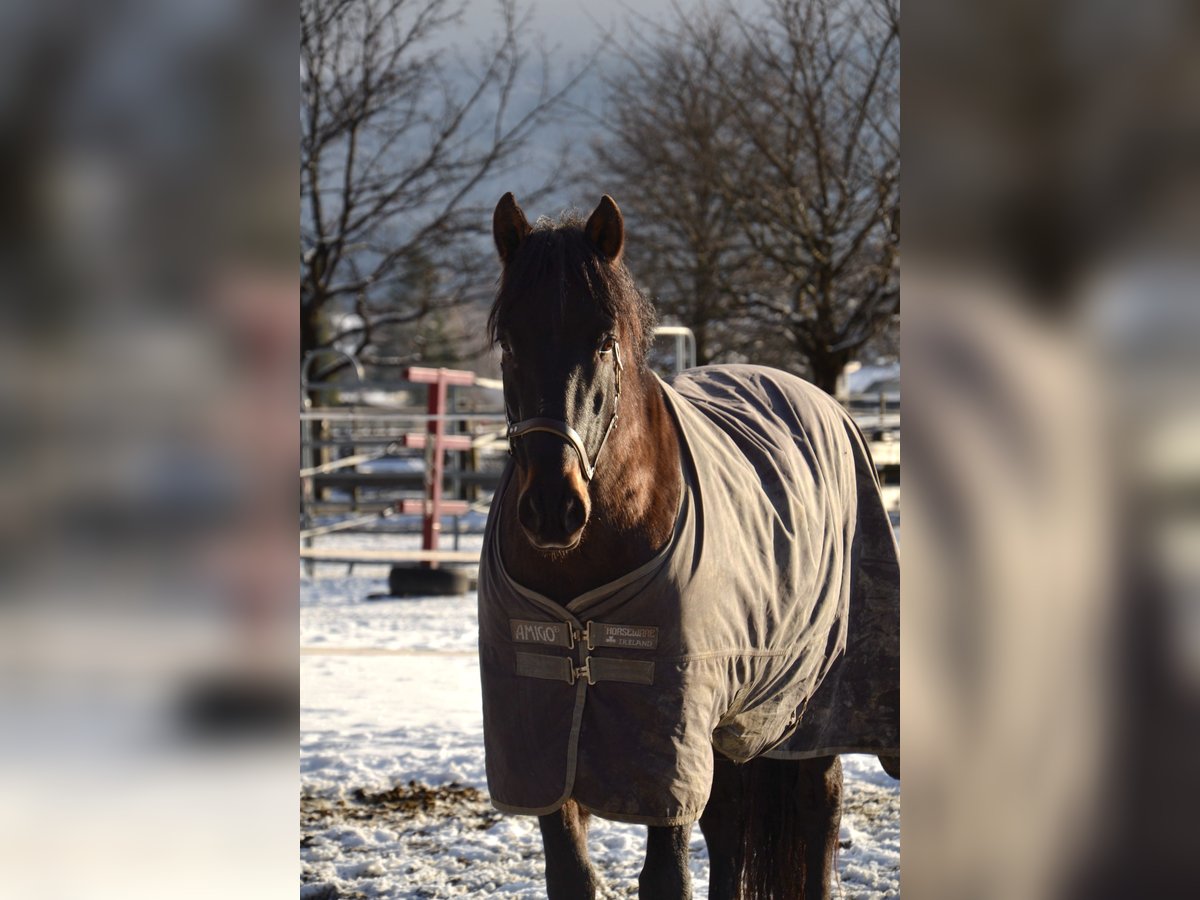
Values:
[(569, 322)]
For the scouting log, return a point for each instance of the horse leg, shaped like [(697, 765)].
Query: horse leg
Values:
[(569, 872), (722, 828), (820, 802), (665, 874)]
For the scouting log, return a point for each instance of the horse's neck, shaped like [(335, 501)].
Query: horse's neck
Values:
[(635, 498)]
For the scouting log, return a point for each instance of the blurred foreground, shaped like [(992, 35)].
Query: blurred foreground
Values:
[(149, 361), (1051, 541)]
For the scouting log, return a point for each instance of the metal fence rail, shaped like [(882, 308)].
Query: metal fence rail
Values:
[(365, 465)]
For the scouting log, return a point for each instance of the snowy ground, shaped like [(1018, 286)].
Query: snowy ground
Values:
[(393, 794)]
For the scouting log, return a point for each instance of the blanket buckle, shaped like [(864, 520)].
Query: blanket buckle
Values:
[(584, 671)]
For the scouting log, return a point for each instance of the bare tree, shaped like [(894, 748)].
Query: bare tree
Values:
[(397, 134), (818, 194), (759, 153), (667, 131)]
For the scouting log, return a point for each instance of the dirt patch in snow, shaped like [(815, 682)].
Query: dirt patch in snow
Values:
[(876, 806), (398, 808)]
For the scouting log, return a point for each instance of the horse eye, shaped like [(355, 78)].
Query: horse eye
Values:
[(606, 345), (505, 348)]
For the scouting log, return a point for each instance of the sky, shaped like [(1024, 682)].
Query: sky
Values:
[(572, 27), (570, 30)]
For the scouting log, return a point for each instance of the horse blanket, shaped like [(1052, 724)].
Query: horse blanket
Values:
[(769, 624)]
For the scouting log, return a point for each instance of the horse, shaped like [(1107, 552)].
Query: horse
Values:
[(604, 506)]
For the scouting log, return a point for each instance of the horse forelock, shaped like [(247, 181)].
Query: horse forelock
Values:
[(557, 265)]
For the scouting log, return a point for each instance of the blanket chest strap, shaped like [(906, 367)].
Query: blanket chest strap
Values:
[(594, 669)]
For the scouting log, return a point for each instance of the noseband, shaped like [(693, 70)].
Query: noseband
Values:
[(561, 429)]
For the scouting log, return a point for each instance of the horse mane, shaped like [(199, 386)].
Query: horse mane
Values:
[(557, 263)]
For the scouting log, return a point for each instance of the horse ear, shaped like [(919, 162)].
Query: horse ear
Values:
[(606, 229), (509, 227)]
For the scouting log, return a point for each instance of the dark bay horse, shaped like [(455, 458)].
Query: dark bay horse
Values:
[(596, 489)]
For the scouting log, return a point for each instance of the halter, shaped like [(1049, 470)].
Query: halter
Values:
[(563, 430)]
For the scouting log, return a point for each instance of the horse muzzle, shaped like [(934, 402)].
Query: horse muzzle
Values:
[(553, 510)]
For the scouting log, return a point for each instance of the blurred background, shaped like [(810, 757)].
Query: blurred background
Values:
[(151, 358), (753, 149)]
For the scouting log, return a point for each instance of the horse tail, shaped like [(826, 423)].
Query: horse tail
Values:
[(792, 813)]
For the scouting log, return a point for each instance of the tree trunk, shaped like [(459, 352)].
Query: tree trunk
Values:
[(826, 369), (700, 333), (310, 327)]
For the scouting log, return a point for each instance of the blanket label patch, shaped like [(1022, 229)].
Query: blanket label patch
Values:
[(631, 637), (556, 634)]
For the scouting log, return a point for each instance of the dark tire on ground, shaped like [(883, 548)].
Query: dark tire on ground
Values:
[(414, 581), (891, 765)]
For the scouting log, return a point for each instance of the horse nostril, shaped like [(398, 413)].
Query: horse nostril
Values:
[(529, 514), (573, 515)]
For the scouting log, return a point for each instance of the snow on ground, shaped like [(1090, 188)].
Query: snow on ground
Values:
[(393, 791)]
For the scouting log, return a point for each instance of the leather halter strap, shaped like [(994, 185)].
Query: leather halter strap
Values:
[(562, 429)]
